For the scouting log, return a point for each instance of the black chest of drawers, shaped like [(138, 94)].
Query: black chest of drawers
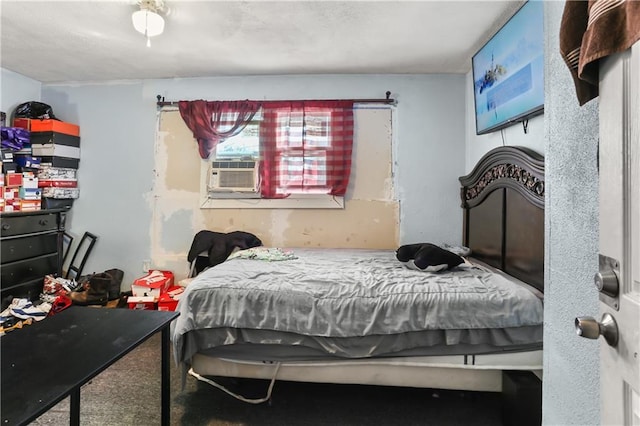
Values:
[(30, 248)]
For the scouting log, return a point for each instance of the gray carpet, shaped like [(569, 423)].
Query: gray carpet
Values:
[(128, 393)]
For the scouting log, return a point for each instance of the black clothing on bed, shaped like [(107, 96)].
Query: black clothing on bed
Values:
[(219, 245)]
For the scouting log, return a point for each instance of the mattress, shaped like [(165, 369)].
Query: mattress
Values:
[(352, 303)]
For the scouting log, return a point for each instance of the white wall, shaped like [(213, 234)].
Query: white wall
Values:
[(16, 89), (117, 128)]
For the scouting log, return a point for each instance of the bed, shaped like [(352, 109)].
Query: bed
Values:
[(360, 316)]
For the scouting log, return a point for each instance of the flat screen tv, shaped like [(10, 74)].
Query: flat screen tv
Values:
[(508, 72)]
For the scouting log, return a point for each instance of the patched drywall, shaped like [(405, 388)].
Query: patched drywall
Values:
[(370, 218), (119, 171)]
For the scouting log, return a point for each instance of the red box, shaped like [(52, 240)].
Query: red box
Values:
[(12, 205), (11, 194), (141, 303), (13, 179), (58, 183), (37, 125), (153, 284), (169, 301)]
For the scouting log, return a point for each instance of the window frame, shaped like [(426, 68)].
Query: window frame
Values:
[(253, 200)]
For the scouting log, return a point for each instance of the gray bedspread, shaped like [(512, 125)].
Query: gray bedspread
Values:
[(341, 293)]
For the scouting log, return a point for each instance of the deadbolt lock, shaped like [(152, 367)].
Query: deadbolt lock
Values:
[(607, 281)]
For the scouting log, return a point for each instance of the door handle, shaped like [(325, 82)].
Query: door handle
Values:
[(589, 328)]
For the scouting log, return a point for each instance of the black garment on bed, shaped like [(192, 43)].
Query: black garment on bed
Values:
[(218, 246)]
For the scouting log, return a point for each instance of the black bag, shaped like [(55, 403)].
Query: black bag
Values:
[(34, 109)]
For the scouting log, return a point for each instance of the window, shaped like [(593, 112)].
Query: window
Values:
[(285, 155), (302, 156)]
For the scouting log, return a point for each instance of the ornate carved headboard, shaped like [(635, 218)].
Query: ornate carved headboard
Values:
[(503, 204)]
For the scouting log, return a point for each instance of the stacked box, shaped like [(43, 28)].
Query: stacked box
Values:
[(61, 193), (57, 177), (54, 155), (145, 303), (54, 144), (47, 172), (57, 140), (8, 163), (148, 290), (153, 284), (20, 192), (27, 163), (37, 125), (169, 301)]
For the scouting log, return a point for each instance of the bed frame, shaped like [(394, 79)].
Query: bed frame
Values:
[(503, 209), (503, 204)]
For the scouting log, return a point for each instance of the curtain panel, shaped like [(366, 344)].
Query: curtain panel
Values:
[(306, 146), (214, 121)]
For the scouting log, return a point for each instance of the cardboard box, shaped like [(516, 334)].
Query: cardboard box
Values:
[(58, 183), (13, 180), (7, 156), (142, 303), (57, 203), (37, 125), (30, 205), (30, 193), (54, 173), (63, 162), (153, 284), (47, 138), (55, 192), (55, 150), (27, 161), (29, 180), (169, 301), (10, 206), (9, 167), (10, 193)]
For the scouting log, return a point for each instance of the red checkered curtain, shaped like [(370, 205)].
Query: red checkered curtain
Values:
[(213, 122), (306, 147)]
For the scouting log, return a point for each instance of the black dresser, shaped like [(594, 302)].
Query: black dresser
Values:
[(30, 248)]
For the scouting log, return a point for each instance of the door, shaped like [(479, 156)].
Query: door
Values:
[(619, 166)]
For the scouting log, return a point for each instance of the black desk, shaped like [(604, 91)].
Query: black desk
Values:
[(47, 361)]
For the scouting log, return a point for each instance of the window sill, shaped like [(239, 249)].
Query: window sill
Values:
[(249, 201)]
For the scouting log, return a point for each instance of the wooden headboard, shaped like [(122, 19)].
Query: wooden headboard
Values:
[(503, 208)]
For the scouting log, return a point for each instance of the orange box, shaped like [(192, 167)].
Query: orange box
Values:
[(141, 303), (169, 301), (153, 284), (30, 205), (37, 125)]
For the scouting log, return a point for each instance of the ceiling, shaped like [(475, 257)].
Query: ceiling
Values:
[(75, 41)]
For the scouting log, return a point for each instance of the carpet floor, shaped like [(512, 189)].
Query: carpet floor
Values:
[(128, 393)]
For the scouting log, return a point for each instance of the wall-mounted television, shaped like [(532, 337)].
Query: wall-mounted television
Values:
[(508, 71)]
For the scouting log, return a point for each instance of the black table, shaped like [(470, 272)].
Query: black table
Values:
[(49, 360)]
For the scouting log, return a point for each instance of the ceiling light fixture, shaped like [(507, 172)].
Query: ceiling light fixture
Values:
[(148, 20)]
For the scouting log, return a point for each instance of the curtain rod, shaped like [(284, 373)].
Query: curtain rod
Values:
[(388, 100)]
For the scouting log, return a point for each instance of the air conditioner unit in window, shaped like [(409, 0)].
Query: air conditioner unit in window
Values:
[(233, 176)]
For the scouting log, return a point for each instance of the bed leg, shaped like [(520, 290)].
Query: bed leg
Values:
[(521, 398)]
